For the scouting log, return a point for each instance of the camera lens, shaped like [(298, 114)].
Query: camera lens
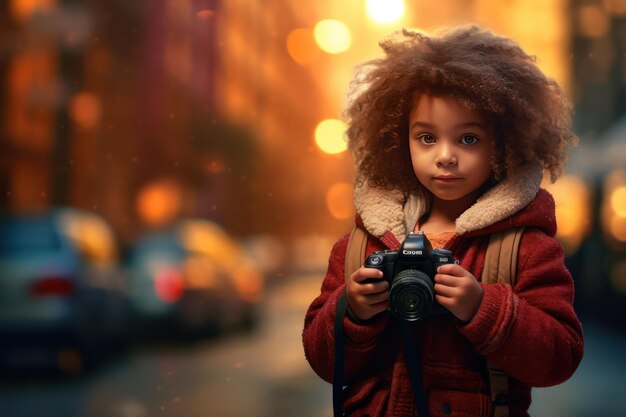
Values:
[(410, 301), (411, 295)]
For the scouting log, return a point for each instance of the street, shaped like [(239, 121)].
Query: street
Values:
[(264, 373)]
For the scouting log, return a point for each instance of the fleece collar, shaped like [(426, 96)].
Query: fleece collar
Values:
[(383, 211)]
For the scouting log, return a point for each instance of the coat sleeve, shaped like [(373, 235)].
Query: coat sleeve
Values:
[(318, 336), (531, 331)]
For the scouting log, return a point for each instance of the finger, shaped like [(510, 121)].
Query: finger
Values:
[(372, 287), (375, 299), (452, 269), (447, 280), (364, 273), (446, 302), (445, 291), (369, 302), (378, 307)]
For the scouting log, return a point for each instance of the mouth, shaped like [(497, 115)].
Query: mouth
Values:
[(446, 178)]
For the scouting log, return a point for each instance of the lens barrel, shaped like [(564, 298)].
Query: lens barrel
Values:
[(411, 295)]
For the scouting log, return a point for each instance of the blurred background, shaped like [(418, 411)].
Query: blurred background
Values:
[(173, 174)]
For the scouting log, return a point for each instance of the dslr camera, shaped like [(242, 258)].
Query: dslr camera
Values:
[(411, 273)]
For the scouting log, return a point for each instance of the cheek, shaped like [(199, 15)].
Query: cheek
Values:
[(481, 166), (418, 161)]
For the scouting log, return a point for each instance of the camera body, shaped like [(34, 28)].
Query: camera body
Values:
[(410, 273)]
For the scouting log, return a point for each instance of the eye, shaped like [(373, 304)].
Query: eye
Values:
[(469, 140), (426, 139)]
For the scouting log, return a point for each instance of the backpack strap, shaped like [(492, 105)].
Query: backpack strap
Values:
[(501, 266), (355, 253), (501, 257)]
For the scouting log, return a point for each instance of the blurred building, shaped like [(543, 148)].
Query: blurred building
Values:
[(151, 109), (103, 100), (598, 65)]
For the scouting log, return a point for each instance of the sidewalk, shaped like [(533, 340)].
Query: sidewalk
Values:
[(598, 388)]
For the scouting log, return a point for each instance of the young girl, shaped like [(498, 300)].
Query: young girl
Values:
[(451, 136)]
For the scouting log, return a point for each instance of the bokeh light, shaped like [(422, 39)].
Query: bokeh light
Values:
[(614, 208), (301, 46), (329, 136), (332, 36), (593, 21), (205, 14), (339, 201), (159, 202), (23, 9), (618, 228), (573, 205), (618, 201), (385, 11), (85, 110)]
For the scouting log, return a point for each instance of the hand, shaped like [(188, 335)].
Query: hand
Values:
[(458, 291), (367, 293)]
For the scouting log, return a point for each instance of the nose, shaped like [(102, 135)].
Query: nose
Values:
[(445, 155)]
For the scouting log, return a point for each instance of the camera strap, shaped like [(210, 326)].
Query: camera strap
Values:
[(338, 387), (415, 369)]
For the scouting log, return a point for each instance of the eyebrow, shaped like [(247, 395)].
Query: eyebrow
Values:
[(459, 126)]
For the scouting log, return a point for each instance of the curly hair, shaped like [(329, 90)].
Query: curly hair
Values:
[(530, 114)]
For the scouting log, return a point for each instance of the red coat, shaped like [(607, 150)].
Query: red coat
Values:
[(531, 331)]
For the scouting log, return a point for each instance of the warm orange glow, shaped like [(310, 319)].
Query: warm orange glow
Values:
[(538, 25), (614, 207), (301, 46), (339, 200), (159, 203), (208, 239), (23, 9), (385, 11), (332, 36), (329, 136), (618, 228), (31, 122), (205, 14), (249, 283), (616, 7), (593, 21), (618, 201), (212, 245), (86, 110), (573, 201), (200, 272), (90, 233)]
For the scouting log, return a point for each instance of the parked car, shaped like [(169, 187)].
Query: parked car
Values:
[(193, 278), (63, 301)]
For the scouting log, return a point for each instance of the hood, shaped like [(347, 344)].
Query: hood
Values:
[(515, 201)]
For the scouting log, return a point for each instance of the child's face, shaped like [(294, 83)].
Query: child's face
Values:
[(450, 146)]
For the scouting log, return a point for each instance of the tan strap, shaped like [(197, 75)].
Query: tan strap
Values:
[(499, 385), (501, 266), (501, 257), (355, 253)]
